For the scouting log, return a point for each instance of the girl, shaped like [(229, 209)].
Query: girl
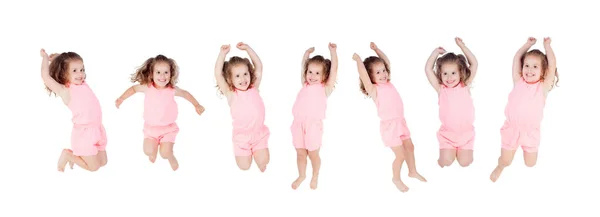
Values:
[(534, 75), (239, 80), (375, 83), (451, 80), (157, 79), (318, 76), (64, 75)]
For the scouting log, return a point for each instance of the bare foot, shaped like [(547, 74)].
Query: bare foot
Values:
[(71, 162), (152, 159), (174, 163), (417, 176), (400, 185), (496, 174), (313, 182), (262, 169), (297, 182), (63, 160)]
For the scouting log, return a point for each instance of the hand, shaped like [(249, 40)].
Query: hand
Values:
[(439, 50), (118, 102), (310, 50), (355, 57), (459, 42), (225, 49), (199, 109), (242, 46), (547, 41), (332, 46), (52, 56), (531, 41), (373, 46), (43, 54)]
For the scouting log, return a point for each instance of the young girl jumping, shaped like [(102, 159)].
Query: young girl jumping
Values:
[(451, 78), (64, 75), (157, 79), (534, 75), (375, 83), (239, 80), (318, 77)]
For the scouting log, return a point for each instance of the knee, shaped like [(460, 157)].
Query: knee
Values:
[(408, 146), (104, 162), (301, 155), (465, 162), (166, 153), (313, 155), (504, 162), (94, 168), (530, 163), (243, 166), (444, 162), (148, 150)]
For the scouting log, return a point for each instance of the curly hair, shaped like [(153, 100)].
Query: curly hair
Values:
[(369, 62), (228, 74), (544, 60), (59, 68), (460, 61), (144, 74), (318, 59)]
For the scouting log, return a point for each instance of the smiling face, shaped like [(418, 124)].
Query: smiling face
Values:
[(76, 72), (161, 74), (450, 74), (240, 76), (379, 73), (532, 68), (314, 73)]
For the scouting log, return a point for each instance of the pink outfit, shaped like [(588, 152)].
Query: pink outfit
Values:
[(391, 112), (524, 113), (457, 114), (248, 114), (309, 112), (160, 114), (88, 135)]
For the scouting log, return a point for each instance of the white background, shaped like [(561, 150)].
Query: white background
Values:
[(355, 178)]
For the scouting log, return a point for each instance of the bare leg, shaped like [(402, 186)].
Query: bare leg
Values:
[(315, 160), (446, 157), (465, 157), (505, 159), (409, 153), (166, 152), (151, 149), (89, 163), (396, 165), (301, 155), (530, 158), (261, 158), (103, 158), (243, 162)]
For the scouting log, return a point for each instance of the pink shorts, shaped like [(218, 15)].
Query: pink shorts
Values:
[(450, 139), (161, 134), (512, 137), (394, 131), (246, 143), (88, 140), (307, 134)]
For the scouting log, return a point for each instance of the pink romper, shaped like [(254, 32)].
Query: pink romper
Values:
[(309, 112), (160, 114), (248, 115), (88, 135), (524, 113), (391, 112), (457, 114)]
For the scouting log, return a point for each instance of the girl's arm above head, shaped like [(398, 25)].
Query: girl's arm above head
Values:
[(334, 68), (429, 68), (551, 73), (381, 55), (364, 76), (516, 71), (52, 84), (129, 92), (472, 61), (304, 59), (221, 83), (186, 95), (258, 67)]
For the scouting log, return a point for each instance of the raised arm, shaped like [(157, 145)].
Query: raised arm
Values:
[(551, 73), (221, 83), (516, 71), (258, 67), (52, 84), (381, 55), (334, 67), (187, 96), (304, 59), (429, 68), (129, 92), (472, 61), (364, 76)]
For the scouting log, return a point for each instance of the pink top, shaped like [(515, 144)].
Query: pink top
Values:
[(389, 103), (247, 110), (84, 105), (457, 111), (525, 108), (160, 108), (311, 102)]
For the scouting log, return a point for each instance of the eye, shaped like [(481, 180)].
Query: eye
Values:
[(535, 67), (445, 73), (246, 73), (237, 76), (454, 73)]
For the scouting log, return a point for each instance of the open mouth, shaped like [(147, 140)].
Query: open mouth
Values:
[(162, 80), (243, 84), (312, 80), (450, 81), (529, 74)]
